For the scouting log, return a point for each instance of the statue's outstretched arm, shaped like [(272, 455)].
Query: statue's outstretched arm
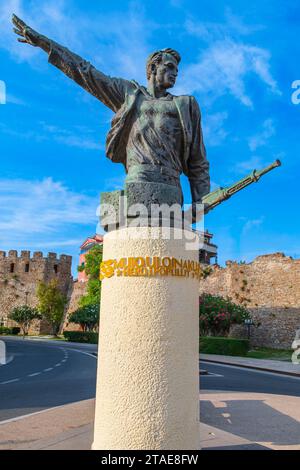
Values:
[(111, 91)]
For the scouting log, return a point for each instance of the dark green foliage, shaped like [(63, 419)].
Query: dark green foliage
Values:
[(51, 303), (224, 346), (5, 331), (87, 317), (24, 315), (15, 330), (217, 314), (81, 336), (92, 269)]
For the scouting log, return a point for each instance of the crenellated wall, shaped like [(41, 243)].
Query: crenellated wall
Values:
[(19, 278), (270, 288)]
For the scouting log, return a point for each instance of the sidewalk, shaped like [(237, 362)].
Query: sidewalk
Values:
[(70, 427), (279, 367)]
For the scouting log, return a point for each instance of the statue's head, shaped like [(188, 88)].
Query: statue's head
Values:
[(163, 66)]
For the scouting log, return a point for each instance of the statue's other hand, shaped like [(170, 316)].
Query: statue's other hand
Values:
[(28, 35)]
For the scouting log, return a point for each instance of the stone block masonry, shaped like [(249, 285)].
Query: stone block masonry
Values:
[(270, 288), (20, 276)]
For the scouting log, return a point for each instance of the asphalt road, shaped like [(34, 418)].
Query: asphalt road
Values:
[(41, 375), (235, 379)]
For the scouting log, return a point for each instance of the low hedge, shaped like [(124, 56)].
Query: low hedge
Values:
[(4, 330), (15, 330), (81, 336), (224, 346)]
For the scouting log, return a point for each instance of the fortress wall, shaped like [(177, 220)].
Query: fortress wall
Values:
[(19, 278), (270, 288)]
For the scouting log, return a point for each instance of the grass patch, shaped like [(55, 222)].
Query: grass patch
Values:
[(269, 353)]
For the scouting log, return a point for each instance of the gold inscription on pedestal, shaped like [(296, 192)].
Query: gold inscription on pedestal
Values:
[(149, 267)]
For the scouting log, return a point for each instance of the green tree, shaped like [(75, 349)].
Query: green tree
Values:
[(217, 314), (92, 268), (24, 316), (87, 317), (51, 303)]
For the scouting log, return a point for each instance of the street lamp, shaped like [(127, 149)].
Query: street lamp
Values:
[(248, 322)]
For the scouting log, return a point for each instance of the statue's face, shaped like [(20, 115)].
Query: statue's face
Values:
[(166, 72)]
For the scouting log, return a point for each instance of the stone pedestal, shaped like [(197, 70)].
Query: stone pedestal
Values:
[(148, 362)]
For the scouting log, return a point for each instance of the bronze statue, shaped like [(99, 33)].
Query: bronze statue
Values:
[(156, 135)]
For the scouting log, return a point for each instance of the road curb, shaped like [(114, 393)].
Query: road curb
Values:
[(244, 366)]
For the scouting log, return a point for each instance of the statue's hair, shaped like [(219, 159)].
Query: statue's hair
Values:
[(156, 57)]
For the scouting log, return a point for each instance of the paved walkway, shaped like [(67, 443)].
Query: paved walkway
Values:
[(70, 427), (231, 421)]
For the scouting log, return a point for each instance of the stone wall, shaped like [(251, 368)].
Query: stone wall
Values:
[(76, 291), (270, 288), (19, 278)]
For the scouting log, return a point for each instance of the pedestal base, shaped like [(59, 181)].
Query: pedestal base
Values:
[(148, 362)]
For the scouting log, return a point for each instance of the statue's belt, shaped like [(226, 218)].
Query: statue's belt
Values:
[(163, 172)]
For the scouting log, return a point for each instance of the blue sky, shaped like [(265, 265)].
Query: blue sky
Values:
[(239, 59)]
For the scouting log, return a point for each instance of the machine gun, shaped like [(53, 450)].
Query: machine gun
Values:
[(213, 199)]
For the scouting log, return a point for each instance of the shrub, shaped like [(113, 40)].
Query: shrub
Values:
[(24, 315), (224, 346), (92, 269), (51, 303), (15, 330), (87, 317), (4, 330), (81, 336), (217, 314)]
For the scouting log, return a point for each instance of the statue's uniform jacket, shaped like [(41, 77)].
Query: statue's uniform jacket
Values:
[(120, 96)]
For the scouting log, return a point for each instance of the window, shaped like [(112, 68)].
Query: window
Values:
[(27, 268), (12, 267), (55, 268)]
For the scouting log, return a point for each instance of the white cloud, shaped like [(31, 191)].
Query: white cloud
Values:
[(223, 67), (260, 139), (41, 209), (250, 224), (49, 16), (232, 27), (116, 45), (120, 47), (253, 163), (15, 100), (213, 128), (79, 136), (114, 183)]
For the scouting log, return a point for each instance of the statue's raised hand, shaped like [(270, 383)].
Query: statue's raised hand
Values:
[(28, 35)]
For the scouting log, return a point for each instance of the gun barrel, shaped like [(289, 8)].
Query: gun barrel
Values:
[(215, 198), (268, 168)]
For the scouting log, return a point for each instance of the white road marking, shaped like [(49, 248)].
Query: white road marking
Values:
[(83, 352), (59, 364), (9, 381), (210, 374)]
